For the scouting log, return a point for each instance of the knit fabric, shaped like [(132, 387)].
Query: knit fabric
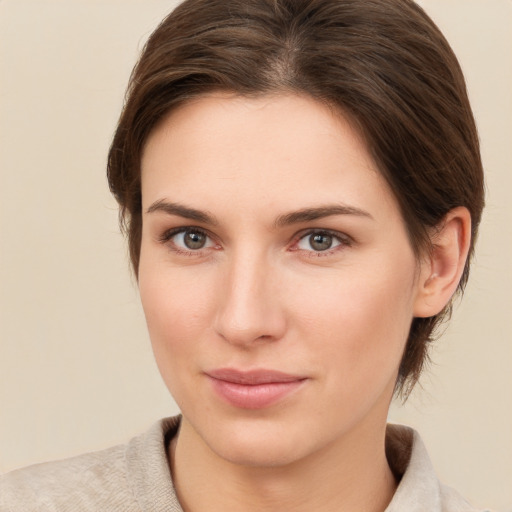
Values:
[(136, 478)]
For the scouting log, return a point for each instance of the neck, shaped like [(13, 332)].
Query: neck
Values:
[(349, 475)]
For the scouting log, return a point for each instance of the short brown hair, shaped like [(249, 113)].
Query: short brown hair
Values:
[(382, 63)]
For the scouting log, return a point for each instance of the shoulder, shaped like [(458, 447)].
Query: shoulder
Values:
[(419, 488), (79, 483), (123, 477), (452, 501)]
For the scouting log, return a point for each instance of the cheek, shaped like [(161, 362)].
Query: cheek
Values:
[(360, 318), (178, 309)]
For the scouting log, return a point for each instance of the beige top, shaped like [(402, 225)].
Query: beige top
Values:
[(135, 478)]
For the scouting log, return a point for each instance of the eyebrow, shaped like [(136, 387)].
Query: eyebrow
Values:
[(287, 219), (182, 211), (310, 214)]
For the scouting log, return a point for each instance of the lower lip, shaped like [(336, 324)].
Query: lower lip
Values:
[(256, 396)]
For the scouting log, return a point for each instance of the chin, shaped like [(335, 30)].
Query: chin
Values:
[(258, 451), (255, 442)]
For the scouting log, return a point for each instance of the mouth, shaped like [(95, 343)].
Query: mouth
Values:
[(253, 389)]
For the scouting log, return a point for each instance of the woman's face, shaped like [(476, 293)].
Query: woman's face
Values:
[(276, 276)]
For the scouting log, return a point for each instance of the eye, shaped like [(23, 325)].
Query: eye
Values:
[(321, 241), (188, 239), (192, 239)]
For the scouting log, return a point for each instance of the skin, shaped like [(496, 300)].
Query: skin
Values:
[(259, 294)]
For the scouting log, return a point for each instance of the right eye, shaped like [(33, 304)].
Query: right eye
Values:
[(188, 239)]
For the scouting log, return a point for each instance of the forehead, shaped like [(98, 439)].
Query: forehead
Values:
[(282, 150)]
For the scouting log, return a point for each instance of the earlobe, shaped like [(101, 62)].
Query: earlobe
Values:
[(442, 269)]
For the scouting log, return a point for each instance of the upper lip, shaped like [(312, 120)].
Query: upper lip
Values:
[(252, 377)]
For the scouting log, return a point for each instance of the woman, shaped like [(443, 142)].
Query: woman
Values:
[(301, 186)]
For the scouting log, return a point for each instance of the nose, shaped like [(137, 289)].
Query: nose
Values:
[(250, 308)]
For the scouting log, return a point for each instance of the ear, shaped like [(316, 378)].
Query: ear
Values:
[(442, 269)]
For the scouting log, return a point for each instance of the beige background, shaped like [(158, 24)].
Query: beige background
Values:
[(76, 370)]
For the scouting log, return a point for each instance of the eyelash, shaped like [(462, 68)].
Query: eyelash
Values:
[(342, 239), (167, 236)]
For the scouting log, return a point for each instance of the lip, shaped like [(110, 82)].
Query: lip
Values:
[(253, 389)]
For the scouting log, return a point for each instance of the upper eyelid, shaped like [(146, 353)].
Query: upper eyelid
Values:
[(340, 236), (332, 232), (169, 233), (345, 242), (166, 239)]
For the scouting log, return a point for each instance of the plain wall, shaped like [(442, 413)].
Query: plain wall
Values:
[(76, 369)]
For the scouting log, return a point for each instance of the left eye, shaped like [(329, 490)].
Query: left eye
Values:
[(318, 242)]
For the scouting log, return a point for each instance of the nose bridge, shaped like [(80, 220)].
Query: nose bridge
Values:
[(249, 308)]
